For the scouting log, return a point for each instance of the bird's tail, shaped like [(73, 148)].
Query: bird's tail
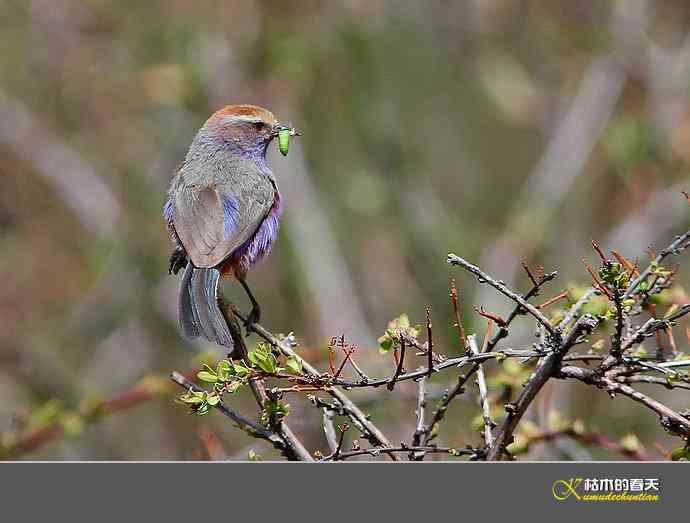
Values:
[(198, 309)]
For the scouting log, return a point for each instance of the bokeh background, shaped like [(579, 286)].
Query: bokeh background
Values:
[(501, 130)]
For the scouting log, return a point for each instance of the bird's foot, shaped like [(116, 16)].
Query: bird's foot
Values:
[(178, 261), (252, 319)]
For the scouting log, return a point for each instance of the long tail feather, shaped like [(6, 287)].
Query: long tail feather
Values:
[(199, 313)]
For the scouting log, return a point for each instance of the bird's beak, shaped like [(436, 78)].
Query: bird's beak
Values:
[(283, 127)]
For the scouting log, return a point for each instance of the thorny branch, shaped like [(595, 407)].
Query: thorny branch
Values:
[(616, 371)]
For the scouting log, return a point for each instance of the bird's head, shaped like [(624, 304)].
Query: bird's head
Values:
[(248, 128)]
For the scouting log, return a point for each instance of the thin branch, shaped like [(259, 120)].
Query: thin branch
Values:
[(676, 247), (655, 381), (420, 429), (588, 438), (329, 430), (399, 368), (450, 362), (352, 410), (500, 287), (448, 397), (617, 339), (576, 308), (339, 446), (242, 422), (293, 445), (391, 450), (483, 395), (546, 369), (456, 314), (534, 291), (671, 418), (553, 300), (429, 343), (653, 325)]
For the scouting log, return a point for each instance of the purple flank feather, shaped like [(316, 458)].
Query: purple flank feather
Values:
[(230, 214), (259, 244), (168, 210)]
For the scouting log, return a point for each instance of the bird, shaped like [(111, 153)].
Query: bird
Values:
[(222, 212)]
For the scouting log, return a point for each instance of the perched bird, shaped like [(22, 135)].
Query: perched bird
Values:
[(222, 211)]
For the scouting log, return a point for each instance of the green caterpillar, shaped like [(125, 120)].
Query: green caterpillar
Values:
[(283, 141)]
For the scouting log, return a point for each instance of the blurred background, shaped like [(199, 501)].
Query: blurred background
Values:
[(501, 130)]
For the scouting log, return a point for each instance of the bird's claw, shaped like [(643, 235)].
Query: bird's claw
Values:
[(178, 261)]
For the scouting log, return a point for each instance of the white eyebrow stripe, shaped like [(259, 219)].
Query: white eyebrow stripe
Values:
[(244, 119)]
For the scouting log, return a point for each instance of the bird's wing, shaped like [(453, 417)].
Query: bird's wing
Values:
[(215, 221)]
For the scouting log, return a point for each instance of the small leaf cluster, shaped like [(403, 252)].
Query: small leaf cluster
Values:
[(398, 328), (230, 376), (273, 412), (615, 276)]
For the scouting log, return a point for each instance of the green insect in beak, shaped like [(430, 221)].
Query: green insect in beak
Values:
[(283, 141)]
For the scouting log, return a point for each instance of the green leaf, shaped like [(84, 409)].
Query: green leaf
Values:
[(192, 398), (207, 376), (265, 361), (224, 370), (385, 344), (294, 365), (254, 356), (240, 369), (274, 411)]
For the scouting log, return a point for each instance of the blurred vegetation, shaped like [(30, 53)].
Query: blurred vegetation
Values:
[(426, 128)]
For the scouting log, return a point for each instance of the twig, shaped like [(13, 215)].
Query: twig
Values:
[(352, 410), (576, 308), (429, 343), (652, 325), (399, 367), (294, 449), (531, 277), (329, 430), (483, 395), (589, 438), (443, 405), (242, 422), (457, 323), (391, 450), (680, 423), (420, 429), (450, 362), (343, 429), (547, 367), (534, 291), (676, 246), (485, 278), (348, 352), (656, 381), (617, 340), (553, 300)]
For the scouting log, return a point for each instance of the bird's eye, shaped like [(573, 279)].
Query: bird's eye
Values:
[(259, 126)]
